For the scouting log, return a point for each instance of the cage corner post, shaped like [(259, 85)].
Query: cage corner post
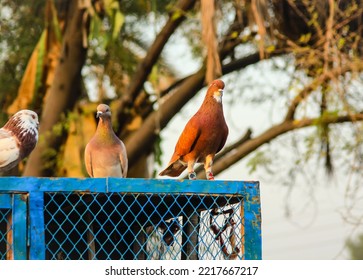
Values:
[(252, 221), (36, 226)]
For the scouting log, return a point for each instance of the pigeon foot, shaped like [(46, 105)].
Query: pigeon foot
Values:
[(192, 176), (210, 176)]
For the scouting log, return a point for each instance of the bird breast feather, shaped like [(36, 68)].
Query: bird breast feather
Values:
[(9, 150)]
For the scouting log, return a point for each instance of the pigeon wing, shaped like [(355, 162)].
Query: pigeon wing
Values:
[(223, 139), (188, 138), (88, 160), (123, 159), (185, 144)]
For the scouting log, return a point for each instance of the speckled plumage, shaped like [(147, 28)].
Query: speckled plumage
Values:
[(105, 154), (203, 136), (18, 138)]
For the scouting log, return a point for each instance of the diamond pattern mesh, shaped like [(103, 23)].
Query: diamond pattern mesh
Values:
[(142, 226), (6, 245)]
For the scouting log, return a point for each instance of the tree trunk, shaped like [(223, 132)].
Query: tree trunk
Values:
[(65, 90)]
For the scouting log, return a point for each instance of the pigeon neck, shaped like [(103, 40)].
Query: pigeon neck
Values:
[(104, 128), (211, 101)]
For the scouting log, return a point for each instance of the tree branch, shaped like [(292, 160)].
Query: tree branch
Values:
[(226, 150), (145, 66), (275, 131), (225, 47), (303, 94), (234, 65), (321, 79)]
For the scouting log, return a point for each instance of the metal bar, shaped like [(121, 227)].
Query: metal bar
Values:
[(36, 220), (90, 236), (252, 222), (19, 214), (190, 237), (30, 184), (243, 237), (130, 185), (5, 201), (9, 238), (136, 185)]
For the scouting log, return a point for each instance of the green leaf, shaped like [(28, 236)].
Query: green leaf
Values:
[(40, 60), (270, 48), (259, 159), (55, 23), (341, 43), (158, 152), (118, 21), (95, 27), (176, 14), (305, 38)]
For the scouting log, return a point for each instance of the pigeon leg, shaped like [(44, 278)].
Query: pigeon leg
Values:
[(208, 167), (192, 176), (210, 175), (191, 173)]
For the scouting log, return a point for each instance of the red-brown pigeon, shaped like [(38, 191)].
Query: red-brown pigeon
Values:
[(105, 154), (18, 138), (203, 136)]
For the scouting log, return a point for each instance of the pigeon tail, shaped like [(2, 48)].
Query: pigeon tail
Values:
[(174, 169)]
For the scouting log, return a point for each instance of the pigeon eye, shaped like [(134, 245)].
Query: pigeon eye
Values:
[(33, 117)]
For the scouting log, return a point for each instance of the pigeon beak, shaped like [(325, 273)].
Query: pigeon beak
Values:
[(99, 113), (218, 93)]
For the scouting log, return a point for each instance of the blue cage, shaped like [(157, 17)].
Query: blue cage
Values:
[(114, 218)]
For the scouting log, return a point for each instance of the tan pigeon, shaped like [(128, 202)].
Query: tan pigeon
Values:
[(105, 154)]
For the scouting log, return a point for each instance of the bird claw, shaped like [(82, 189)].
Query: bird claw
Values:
[(192, 176), (210, 176)]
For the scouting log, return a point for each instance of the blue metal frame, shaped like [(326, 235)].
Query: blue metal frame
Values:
[(35, 188), (17, 204)]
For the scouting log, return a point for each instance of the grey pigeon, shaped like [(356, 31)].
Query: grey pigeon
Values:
[(18, 138), (105, 154)]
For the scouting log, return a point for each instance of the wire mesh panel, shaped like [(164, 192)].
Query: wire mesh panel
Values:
[(6, 244), (142, 226), (115, 218)]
